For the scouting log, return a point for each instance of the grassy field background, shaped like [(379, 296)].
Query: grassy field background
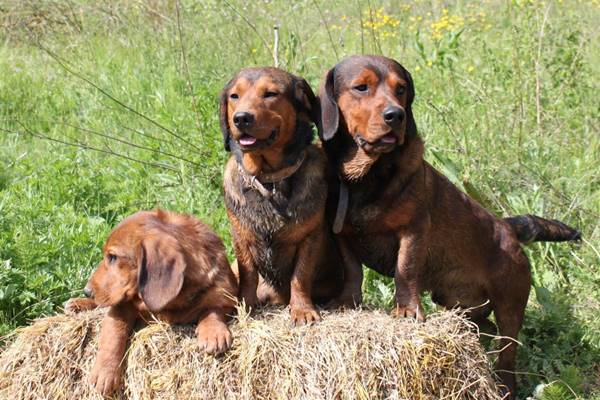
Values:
[(111, 107)]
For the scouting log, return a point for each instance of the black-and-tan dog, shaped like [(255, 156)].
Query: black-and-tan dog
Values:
[(275, 193), (404, 219)]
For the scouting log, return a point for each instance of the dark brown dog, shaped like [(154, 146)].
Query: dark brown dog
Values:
[(275, 192), (160, 264), (404, 219)]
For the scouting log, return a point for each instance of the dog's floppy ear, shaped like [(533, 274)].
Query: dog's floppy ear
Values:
[(223, 98), (329, 119), (304, 96), (411, 125), (161, 269)]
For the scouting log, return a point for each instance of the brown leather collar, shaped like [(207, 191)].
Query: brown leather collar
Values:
[(342, 208), (286, 172), (256, 181)]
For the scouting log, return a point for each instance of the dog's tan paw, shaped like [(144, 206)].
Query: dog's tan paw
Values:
[(214, 338), (409, 311), (106, 379), (78, 304), (304, 316)]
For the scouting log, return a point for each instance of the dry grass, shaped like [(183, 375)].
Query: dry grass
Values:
[(350, 355)]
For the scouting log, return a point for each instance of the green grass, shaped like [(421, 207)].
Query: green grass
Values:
[(507, 100)]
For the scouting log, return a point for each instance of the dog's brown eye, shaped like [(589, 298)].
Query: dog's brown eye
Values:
[(270, 94), (111, 258), (400, 91), (234, 96), (361, 88)]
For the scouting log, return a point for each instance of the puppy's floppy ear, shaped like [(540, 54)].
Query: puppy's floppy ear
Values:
[(411, 125), (329, 119), (161, 269), (304, 96), (223, 99)]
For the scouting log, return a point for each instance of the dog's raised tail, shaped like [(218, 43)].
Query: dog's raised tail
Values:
[(531, 228)]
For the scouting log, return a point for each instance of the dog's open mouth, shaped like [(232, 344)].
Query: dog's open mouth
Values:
[(382, 145), (249, 142), (390, 138)]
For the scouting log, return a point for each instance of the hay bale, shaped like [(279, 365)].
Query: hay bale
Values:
[(349, 355)]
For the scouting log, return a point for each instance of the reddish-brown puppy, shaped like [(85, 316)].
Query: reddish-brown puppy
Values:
[(162, 265), (404, 219), (275, 193)]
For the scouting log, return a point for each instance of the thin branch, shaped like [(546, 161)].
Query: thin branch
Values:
[(375, 37), (63, 63), (153, 10), (276, 46), (88, 147), (187, 68), (538, 89), (138, 132), (558, 192), (106, 136), (464, 146), (362, 28), (327, 28), (250, 24)]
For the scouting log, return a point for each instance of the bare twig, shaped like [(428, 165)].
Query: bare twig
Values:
[(373, 34), (538, 90), (187, 68), (326, 28), (464, 146), (362, 28), (154, 11), (276, 46), (128, 143), (250, 24), (244, 38), (558, 192), (138, 132), (64, 64), (85, 146)]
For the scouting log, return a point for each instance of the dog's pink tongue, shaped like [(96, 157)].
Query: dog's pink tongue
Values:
[(389, 138), (247, 140)]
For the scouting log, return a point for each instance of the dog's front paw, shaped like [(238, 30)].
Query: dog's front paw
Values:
[(250, 299), (105, 378), (304, 315), (214, 338), (414, 311), (79, 304)]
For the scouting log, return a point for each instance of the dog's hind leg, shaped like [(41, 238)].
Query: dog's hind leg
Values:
[(351, 293), (509, 298), (267, 294)]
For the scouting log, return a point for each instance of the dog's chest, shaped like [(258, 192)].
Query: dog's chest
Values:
[(270, 219), (268, 216), (375, 210)]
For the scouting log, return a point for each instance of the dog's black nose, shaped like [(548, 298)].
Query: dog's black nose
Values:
[(88, 291), (243, 119), (393, 115)]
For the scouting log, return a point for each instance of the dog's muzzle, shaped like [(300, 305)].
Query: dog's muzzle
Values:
[(250, 143), (383, 145)]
